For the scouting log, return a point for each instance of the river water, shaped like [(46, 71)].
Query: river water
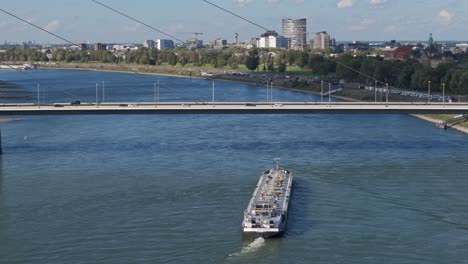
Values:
[(172, 189)]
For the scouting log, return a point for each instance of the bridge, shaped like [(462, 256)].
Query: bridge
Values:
[(125, 108)]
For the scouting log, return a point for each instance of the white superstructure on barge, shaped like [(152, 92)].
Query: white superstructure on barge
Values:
[(267, 212)]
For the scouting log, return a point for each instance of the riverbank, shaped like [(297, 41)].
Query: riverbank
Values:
[(173, 71), (229, 75), (433, 120), (280, 80)]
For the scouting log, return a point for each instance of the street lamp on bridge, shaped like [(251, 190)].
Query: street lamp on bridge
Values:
[(97, 95), (213, 92), (443, 92), (375, 91), (387, 92), (321, 92), (428, 92), (38, 95)]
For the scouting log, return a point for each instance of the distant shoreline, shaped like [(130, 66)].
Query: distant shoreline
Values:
[(215, 77), (180, 75)]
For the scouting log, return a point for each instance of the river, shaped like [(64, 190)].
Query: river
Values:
[(173, 189)]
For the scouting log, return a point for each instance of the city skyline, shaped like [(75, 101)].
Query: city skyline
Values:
[(344, 19)]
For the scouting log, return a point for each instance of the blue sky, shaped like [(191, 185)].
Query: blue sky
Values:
[(84, 20)]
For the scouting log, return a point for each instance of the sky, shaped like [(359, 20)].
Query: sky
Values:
[(346, 20)]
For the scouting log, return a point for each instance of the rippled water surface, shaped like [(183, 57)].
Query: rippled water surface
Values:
[(172, 189)]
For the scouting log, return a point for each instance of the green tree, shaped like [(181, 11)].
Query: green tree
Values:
[(153, 56), (221, 60), (59, 55), (440, 72), (346, 68), (421, 77), (252, 61), (144, 59), (302, 59), (172, 59), (232, 62), (69, 56), (264, 59), (315, 63), (108, 57), (271, 67), (405, 77), (291, 56), (281, 61), (368, 67), (458, 82), (282, 67), (194, 58), (463, 83), (44, 58)]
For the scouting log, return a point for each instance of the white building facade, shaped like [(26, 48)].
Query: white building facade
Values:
[(271, 39), (321, 41), (163, 44), (150, 44)]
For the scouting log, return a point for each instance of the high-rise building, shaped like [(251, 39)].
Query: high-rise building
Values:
[(165, 44), (271, 39), (194, 43), (295, 31), (321, 41), (218, 43), (150, 44), (100, 46), (84, 46)]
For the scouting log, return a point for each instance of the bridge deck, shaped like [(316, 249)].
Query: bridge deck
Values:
[(235, 108)]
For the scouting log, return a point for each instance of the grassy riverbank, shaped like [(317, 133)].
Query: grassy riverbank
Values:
[(449, 119), (436, 119)]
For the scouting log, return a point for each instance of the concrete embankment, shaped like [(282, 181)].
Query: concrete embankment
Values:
[(437, 121)]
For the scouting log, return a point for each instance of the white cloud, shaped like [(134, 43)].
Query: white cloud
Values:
[(377, 2), (445, 17), (242, 3), (29, 20), (16, 26), (53, 26), (135, 27), (390, 29), (362, 25), (175, 28), (345, 4), (299, 2)]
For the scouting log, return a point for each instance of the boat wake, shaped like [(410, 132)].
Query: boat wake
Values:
[(250, 248)]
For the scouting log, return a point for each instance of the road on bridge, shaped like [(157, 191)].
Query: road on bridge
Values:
[(234, 108)]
